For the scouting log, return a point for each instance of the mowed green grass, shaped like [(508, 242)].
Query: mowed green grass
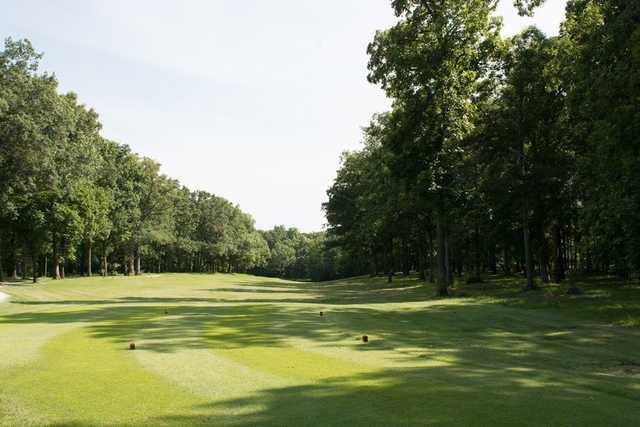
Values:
[(241, 350)]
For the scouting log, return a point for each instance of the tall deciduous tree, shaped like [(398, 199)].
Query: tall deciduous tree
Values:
[(431, 62)]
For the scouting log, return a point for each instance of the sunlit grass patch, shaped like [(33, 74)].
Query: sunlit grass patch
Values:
[(82, 380)]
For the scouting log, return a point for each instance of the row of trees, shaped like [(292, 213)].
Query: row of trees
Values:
[(514, 154), (297, 255), (72, 202)]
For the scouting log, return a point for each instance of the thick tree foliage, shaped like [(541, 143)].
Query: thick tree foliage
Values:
[(520, 154), (72, 202)]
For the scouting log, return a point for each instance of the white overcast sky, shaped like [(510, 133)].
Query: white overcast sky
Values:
[(251, 100)]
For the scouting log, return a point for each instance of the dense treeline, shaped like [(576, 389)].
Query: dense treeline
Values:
[(72, 202), (518, 154), (297, 255)]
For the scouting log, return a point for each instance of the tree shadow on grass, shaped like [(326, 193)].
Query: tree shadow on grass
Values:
[(455, 395), (476, 329), (278, 316), (18, 282), (604, 299), (459, 394)]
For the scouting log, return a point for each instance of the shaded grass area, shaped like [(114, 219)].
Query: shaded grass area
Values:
[(604, 298), (240, 350)]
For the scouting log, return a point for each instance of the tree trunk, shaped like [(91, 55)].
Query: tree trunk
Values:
[(406, 266), (132, 269), (373, 269), (544, 267), (87, 260), (138, 270), (431, 258), (421, 270), (62, 270), (507, 261), (449, 262), (1, 264), (544, 258), (13, 261), (81, 262), (442, 281), (565, 248), (528, 259), (105, 268), (390, 263), (476, 266), (56, 261), (589, 262), (493, 261), (34, 266)]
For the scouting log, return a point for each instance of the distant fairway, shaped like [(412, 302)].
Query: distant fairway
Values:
[(242, 350)]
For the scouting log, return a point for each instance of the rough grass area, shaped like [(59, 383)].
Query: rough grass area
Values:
[(241, 350)]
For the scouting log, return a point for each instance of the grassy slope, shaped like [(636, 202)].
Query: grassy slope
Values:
[(240, 350)]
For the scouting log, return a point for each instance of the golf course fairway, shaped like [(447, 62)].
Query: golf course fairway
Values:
[(242, 350)]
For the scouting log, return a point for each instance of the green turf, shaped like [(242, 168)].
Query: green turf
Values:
[(242, 350)]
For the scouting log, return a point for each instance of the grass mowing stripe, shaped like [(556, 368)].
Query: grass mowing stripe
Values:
[(20, 345), (209, 375), (83, 380), (296, 365)]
